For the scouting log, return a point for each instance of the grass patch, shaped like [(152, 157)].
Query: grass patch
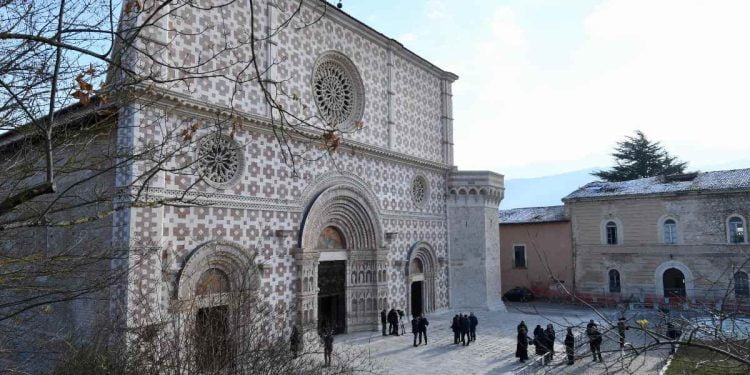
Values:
[(692, 360)]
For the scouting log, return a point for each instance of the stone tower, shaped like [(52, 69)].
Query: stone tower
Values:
[(474, 252)]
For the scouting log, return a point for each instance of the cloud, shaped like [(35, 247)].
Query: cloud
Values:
[(676, 69)]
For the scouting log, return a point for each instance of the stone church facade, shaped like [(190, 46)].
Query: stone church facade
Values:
[(388, 222)]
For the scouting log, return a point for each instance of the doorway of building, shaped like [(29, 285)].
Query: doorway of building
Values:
[(212, 338), (332, 296), (674, 283), (417, 306)]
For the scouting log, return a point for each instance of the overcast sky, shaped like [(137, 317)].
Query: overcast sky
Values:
[(549, 86)]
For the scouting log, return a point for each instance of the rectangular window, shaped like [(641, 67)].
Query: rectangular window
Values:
[(519, 256), (611, 235)]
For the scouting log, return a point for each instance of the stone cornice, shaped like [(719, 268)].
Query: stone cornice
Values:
[(689, 194), (219, 200), (184, 104)]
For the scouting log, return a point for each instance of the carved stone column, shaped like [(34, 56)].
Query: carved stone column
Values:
[(306, 286)]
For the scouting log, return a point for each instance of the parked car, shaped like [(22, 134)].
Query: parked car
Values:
[(518, 294)]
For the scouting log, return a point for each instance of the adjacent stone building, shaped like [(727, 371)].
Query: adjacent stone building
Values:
[(666, 239), (536, 251)]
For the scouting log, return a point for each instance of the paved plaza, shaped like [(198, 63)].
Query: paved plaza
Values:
[(494, 350)]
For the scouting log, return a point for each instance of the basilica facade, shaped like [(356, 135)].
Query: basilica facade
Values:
[(387, 222)]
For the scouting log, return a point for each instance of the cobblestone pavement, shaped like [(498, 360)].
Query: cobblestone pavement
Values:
[(492, 353)]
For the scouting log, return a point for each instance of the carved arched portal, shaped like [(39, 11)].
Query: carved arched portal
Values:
[(340, 263), (421, 273)]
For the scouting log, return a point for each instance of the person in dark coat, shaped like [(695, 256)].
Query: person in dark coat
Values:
[(595, 342), (621, 327), (522, 345), (473, 323), (549, 335), (415, 329), (539, 339), (393, 322), (456, 328), (295, 341), (570, 346), (327, 347), (522, 325), (423, 323), (465, 330), (383, 320)]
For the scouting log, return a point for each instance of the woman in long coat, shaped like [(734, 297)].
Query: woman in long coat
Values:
[(570, 343), (549, 333), (522, 345), (539, 340)]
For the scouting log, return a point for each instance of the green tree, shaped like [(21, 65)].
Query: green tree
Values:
[(638, 157)]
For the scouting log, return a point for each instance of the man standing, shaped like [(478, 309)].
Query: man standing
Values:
[(393, 322), (415, 329), (595, 342), (570, 343), (327, 347), (423, 323), (621, 327), (473, 323), (456, 327), (383, 320), (465, 338)]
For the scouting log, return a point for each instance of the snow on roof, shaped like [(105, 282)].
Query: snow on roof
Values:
[(731, 180), (533, 215)]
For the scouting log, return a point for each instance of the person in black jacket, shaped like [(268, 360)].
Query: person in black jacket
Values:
[(393, 322), (383, 320), (415, 329), (621, 327), (327, 348), (570, 346), (522, 345), (473, 323), (465, 328), (595, 342), (456, 327), (423, 323)]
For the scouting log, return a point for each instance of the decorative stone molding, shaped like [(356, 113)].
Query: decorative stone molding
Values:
[(475, 188), (225, 256)]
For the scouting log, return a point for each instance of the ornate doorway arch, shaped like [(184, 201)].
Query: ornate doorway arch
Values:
[(674, 277), (339, 260), (420, 278)]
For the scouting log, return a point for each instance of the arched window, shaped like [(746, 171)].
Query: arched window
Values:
[(670, 231), (614, 281), (611, 233), (741, 285), (736, 229)]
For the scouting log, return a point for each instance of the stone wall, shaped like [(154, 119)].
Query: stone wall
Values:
[(549, 257), (702, 251)]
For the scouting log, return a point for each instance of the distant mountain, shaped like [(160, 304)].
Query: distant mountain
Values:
[(549, 190), (543, 191)]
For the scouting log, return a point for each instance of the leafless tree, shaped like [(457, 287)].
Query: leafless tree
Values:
[(70, 72)]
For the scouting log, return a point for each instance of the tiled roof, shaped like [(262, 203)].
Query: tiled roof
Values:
[(731, 180), (533, 215)]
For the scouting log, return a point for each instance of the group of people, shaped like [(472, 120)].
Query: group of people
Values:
[(464, 328), (393, 319), (544, 343)]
